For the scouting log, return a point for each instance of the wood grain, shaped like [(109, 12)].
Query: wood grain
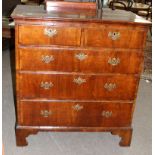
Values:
[(92, 61), (129, 38), (64, 87), (65, 114), (72, 94), (63, 36)]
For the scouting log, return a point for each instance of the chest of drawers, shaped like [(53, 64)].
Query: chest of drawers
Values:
[(77, 72)]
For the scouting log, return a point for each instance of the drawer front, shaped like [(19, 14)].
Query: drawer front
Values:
[(45, 35), (114, 37), (112, 61), (69, 86), (75, 114)]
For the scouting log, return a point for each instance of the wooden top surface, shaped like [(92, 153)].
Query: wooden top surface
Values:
[(104, 15)]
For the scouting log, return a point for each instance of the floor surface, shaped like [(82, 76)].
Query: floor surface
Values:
[(70, 143)]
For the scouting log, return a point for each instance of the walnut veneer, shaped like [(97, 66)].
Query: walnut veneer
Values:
[(77, 70)]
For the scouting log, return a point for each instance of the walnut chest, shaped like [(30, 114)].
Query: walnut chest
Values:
[(77, 70)]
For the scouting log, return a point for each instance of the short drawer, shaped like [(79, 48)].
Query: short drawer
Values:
[(114, 37), (46, 35), (82, 114), (65, 60), (78, 86)]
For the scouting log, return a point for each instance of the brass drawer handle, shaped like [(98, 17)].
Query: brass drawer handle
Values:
[(50, 32), (110, 86), (46, 85), (45, 113), (47, 58), (81, 56), (77, 107), (114, 61), (114, 35), (106, 114), (79, 80)]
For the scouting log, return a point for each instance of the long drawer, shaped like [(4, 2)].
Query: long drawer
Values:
[(77, 86), (67, 60), (83, 114), (115, 37), (45, 35)]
